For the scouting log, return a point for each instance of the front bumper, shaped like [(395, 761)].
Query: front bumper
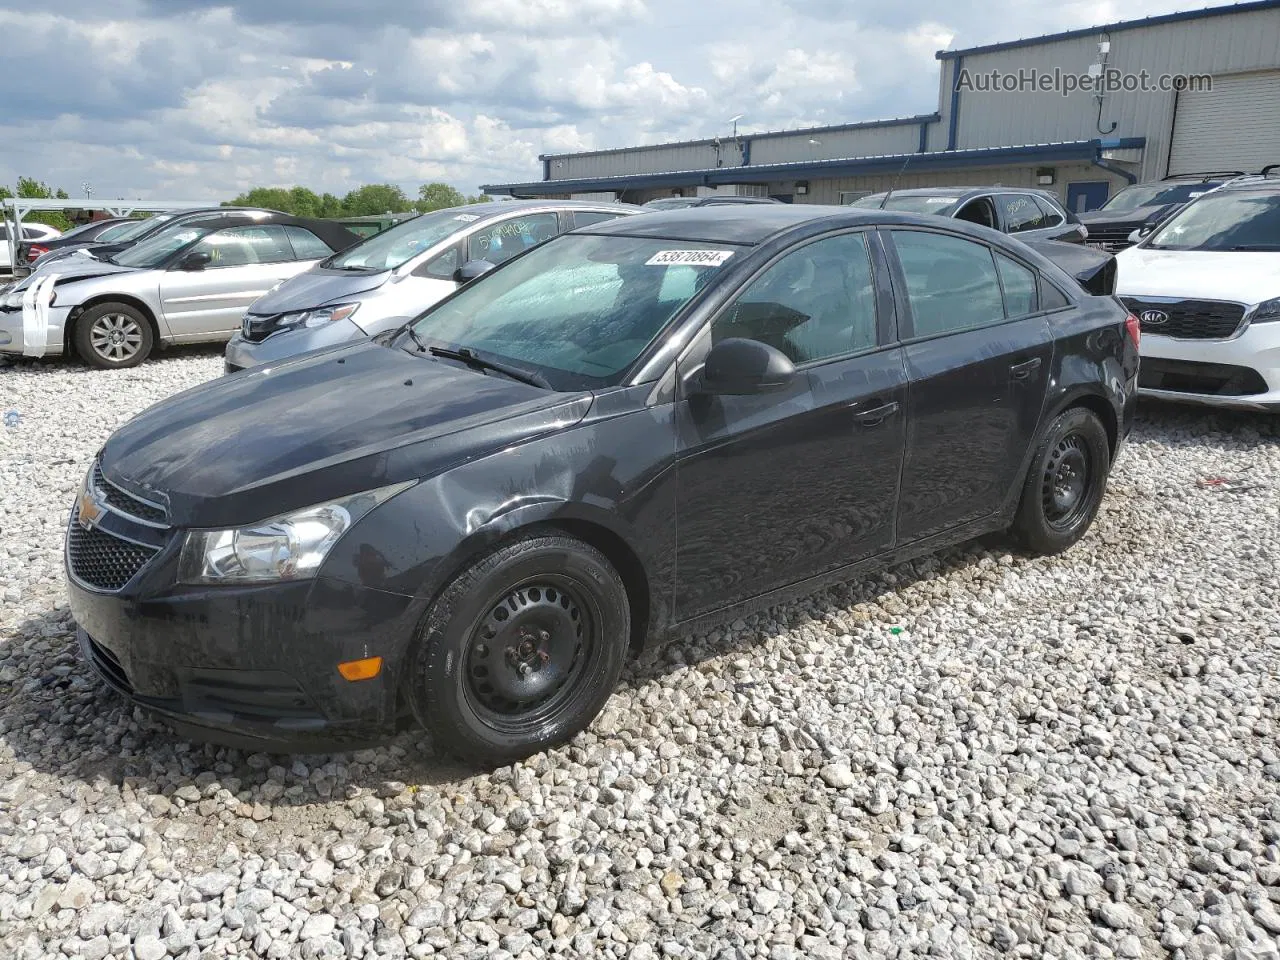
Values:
[(27, 331), (252, 667), (1241, 373), (242, 354)]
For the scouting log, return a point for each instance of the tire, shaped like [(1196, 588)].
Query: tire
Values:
[(1065, 483), (521, 651), (112, 336)]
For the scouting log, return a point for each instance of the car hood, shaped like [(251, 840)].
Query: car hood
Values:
[(315, 288), (1240, 276), (273, 439), (72, 269), (1129, 218)]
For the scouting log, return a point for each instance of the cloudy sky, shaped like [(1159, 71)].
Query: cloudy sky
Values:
[(202, 98)]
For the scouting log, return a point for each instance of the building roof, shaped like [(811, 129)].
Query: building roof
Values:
[(851, 166), (1113, 28)]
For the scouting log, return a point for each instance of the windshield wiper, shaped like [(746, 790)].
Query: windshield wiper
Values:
[(1256, 247), (471, 359), (413, 335)]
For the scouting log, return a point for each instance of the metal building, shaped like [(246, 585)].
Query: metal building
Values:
[(1222, 113)]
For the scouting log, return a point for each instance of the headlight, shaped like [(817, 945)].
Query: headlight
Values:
[(14, 298), (289, 547), (1267, 312), (317, 317)]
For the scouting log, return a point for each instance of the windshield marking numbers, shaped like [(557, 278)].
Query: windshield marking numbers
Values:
[(692, 258)]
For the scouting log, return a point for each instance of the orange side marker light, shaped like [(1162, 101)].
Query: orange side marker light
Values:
[(365, 669)]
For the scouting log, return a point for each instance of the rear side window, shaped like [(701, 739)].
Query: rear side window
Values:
[(500, 242), (1019, 287), (584, 218), (306, 245), (951, 282), (1051, 298), (1052, 215), (1020, 212), (815, 303)]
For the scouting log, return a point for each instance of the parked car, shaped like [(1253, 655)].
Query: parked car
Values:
[(681, 203), (134, 233), (1143, 206), (1027, 213), (189, 283), (31, 249), (651, 423), (398, 273), (1206, 287), (30, 231)]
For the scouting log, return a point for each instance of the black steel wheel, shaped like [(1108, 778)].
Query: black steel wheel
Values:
[(521, 651), (1065, 484)]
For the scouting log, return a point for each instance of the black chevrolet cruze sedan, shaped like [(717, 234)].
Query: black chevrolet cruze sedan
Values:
[(466, 526)]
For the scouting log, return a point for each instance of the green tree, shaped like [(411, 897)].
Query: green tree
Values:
[(437, 196), (33, 189), (330, 206), (482, 198), (375, 198)]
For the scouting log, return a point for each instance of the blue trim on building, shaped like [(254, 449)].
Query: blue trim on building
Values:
[(1077, 150), (1205, 13), (953, 121)]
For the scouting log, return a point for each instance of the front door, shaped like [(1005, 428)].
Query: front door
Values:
[(1087, 195), (778, 487), (244, 263), (975, 392)]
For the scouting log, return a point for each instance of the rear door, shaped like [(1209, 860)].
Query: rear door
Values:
[(779, 487), (978, 353), (245, 262)]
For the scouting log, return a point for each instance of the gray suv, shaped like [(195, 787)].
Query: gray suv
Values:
[(380, 283)]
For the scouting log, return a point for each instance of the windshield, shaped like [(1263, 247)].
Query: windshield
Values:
[(1153, 195), (1235, 220), (671, 203), (156, 250), (134, 229), (910, 203), (581, 305), (390, 248)]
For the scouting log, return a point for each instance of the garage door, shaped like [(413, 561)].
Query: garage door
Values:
[(1236, 126)]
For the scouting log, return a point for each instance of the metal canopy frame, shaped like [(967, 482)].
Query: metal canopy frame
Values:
[(15, 208)]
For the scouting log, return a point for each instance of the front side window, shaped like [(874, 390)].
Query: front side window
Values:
[(1020, 212), (306, 245), (1237, 220), (951, 282), (502, 241), (1019, 287), (815, 303), (580, 308), (240, 246)]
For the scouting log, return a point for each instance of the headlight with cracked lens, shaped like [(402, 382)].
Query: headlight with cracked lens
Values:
[(288, 547), (318, 317), (1267, 312)]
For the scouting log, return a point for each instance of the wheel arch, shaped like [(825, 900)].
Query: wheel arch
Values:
[(1096, 403), (68, 331)]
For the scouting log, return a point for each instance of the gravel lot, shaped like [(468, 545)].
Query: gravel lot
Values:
[(977, 754)]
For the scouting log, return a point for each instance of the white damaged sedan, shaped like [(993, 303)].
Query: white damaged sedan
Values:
[(189, 283)]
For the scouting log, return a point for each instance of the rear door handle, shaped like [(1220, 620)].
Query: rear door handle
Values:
[(1021, 371), (877, 415)]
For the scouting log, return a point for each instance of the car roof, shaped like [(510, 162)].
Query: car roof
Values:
[(331, 232), (1256, 182), (494, 207)]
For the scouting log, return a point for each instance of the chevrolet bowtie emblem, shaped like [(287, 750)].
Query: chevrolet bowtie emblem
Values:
[(88, 510)]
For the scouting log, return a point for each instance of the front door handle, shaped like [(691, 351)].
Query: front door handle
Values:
[(1021, 371), (877, 415)]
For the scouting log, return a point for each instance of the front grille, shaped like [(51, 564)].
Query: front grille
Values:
[(1189, 319), (126, 502), (1188, 376), (109, 666), (1110, 239), (255, 329), (101, 560)]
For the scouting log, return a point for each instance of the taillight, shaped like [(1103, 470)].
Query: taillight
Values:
[(35, 252), (1133, 327)]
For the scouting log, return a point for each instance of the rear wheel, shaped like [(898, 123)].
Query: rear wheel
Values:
[(113, 335), (521, 651), (1065, 484)]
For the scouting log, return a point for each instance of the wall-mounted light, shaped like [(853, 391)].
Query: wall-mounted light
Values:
[(802, 187), (1045, 176)]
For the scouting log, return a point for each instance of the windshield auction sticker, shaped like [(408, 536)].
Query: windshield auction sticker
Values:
[(689, 258)]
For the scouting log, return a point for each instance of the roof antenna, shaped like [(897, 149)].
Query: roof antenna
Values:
[(894, 185)]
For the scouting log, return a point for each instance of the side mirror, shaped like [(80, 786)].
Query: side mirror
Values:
[(472, 269), (737, 367), (197, 260)]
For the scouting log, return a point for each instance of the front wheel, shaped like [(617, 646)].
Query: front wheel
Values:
[(1065, 484), (113, 335), (521, 651)]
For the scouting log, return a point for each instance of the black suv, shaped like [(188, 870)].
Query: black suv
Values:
[(1144, 206), (648, 424), (1029, 214)]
